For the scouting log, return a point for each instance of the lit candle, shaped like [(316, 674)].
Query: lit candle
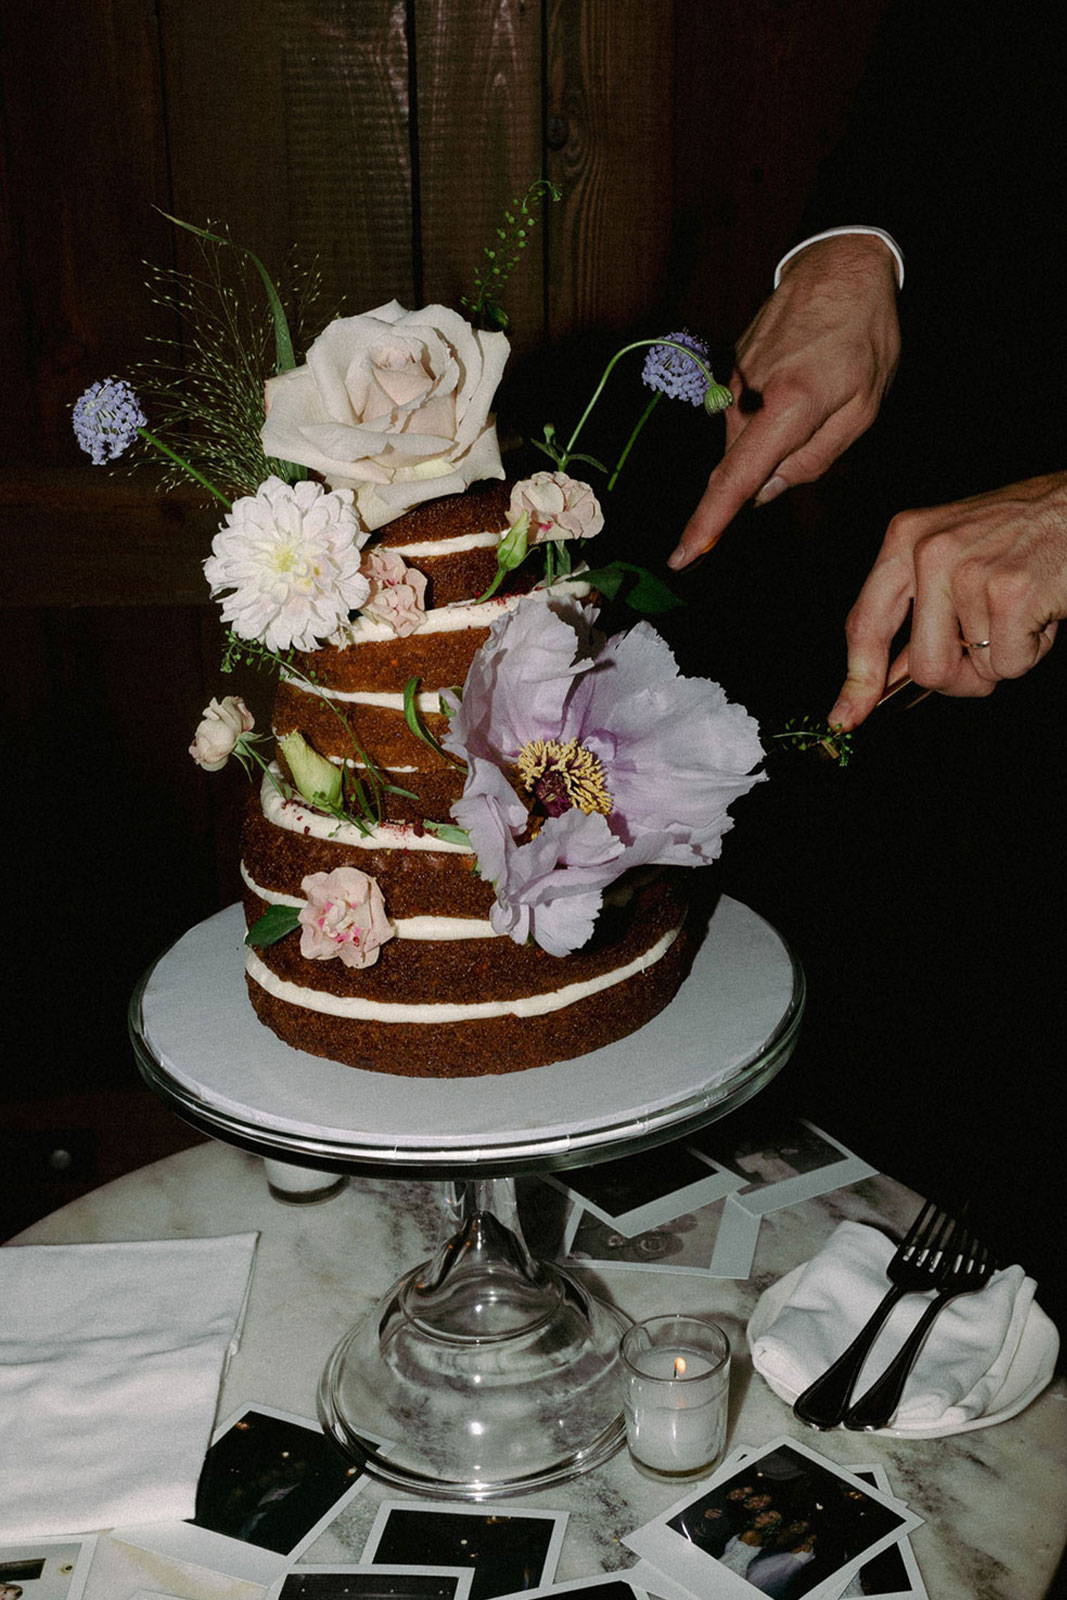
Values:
[(677, 1372)]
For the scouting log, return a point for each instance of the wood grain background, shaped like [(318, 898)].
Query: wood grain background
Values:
[(381, 138)]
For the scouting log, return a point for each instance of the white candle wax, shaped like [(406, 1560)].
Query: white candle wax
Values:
[(676, 1401)]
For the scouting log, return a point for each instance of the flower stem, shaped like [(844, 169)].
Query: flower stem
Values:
[(632, 440), (638, 344), (174, 456)]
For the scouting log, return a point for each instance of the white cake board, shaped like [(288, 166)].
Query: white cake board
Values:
[(729, 1027)]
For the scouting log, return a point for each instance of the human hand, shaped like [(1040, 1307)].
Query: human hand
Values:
[(991, 570), (810, 372)]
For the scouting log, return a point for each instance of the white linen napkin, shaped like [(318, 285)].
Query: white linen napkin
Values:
[(963, 1362), (111, 1359)]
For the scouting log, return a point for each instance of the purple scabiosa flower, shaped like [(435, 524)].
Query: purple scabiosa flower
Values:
[(588, 756), (106, 419), (672, 372)]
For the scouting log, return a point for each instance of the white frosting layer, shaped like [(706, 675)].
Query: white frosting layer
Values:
[(459, 617), (534, 1005), (404, 927), (298, 818), (447, 547)]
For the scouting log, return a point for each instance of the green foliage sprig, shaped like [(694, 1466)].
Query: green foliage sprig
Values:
[(500, 259), (804, 733)]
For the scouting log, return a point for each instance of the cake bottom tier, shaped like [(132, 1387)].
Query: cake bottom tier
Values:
[(532, 1031)]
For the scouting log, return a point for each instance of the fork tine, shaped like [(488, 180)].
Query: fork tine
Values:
[(931, 1231)]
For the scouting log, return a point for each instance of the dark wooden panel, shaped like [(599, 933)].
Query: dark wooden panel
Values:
[(289, 121), (85, 536), (609, 128), (83, 153), (479, 76), (761, 92)]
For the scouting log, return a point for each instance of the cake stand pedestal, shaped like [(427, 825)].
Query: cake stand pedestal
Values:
[(483, 1372)]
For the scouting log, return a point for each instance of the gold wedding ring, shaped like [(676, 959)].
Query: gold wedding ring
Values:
[(975, 644)]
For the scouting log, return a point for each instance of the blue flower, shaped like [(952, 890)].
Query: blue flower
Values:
[(106, 419), (673, 373)]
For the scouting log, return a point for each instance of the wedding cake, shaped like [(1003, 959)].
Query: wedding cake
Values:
[(464, 852)]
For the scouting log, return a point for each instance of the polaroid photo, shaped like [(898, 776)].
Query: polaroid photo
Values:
[(45, 1569), (785, 1514), (374, 1583), (270, 1484), (682, 1245), (781, 1162), (610, 1586), (641, 1192), (510, 1551), (894, 1573)]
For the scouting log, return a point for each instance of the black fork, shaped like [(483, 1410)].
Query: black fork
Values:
[(918, 1264), (970, 1267)]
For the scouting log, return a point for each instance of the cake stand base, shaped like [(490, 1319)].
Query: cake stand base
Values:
[(482, 1373)]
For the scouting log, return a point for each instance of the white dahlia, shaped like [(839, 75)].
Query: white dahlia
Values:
[(290, 555)]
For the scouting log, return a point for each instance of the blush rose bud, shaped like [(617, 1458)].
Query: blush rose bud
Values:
[(219, 732), (318, 780)]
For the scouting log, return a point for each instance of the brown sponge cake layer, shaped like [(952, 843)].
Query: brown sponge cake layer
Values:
[(415, 883), (483, 508), (340, 728), (451, 575), (485, 1046), (438, 660), (464, 971)]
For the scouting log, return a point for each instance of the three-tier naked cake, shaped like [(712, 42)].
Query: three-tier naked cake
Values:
[(465, 854)]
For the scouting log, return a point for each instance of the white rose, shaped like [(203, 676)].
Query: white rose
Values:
[(217, 734), (393, 405)]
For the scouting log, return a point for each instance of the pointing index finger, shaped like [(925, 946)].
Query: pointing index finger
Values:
[(753, 457)]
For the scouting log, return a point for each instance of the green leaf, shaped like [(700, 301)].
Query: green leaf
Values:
[(415, 724), (273, 925), (640, 589), (447, 832)]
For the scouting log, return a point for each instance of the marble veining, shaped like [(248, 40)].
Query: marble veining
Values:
[(994, 1500)]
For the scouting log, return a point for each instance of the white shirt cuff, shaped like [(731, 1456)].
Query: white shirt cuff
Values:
[(832, 233)]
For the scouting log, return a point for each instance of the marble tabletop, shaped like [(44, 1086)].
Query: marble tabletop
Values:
[(994, 1501)]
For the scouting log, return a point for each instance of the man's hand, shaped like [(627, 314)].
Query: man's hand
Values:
[(809, 378), (986, 580)]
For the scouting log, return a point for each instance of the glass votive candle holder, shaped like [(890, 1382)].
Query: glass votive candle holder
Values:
[(676, 1369), (300, 1186)]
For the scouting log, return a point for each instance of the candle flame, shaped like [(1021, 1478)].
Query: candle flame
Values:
[(679, 1366)]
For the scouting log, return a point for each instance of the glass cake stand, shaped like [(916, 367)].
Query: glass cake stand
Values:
[(483, 1372)]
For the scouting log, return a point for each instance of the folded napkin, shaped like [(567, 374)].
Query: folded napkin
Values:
[(963, 1362), (111, 1358)]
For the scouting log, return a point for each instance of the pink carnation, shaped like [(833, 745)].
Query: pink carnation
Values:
[(345, 916), (559, 507), (397, 591)]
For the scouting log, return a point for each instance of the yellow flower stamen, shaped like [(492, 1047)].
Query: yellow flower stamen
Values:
[(577, 770)]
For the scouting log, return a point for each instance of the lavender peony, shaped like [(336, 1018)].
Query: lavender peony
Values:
[(588, 756)]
